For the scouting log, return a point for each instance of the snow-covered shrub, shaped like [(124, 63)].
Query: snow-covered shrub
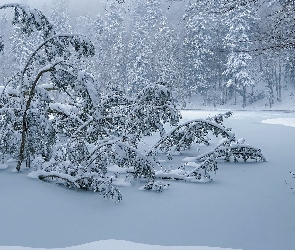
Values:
[(233, 150), (69, 168), (74, 166), (182, 137)]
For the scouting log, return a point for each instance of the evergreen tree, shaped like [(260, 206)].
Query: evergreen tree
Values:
[(238, 64), (114, 48), (59, 16), (146, 18), (165, 54), (197, 45), (4, 53)]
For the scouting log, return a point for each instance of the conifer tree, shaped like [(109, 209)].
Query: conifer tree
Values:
[(238, 65)]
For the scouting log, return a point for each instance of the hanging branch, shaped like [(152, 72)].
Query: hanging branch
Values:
[(30, 19)]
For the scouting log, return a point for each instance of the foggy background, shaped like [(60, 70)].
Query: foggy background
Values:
[(77, 7), (174, 8)]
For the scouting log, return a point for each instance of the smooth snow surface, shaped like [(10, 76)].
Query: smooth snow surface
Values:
[(118, 245), (3, 166), (281, 121), (246, 206)]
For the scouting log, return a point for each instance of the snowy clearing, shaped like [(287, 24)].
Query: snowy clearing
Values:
[(246, 206)]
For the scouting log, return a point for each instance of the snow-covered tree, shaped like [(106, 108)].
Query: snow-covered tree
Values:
[(59, 16), (165, 54), (153, 107), (197, 131), (197, 43), (55, 116), (4, 53), (21, 47), (113, 56), (238, 66), (32, 100), (146, 17)]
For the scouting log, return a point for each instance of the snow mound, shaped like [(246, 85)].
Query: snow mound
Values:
[(290, 122), (118, 244)]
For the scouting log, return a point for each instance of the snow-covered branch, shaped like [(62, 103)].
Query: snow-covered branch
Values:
[(234, 150), (80, 43), (181, 137)]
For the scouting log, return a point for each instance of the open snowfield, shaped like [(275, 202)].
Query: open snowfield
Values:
[(246, 206)]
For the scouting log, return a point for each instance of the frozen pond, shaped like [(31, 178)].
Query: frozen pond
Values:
[(246, 206)]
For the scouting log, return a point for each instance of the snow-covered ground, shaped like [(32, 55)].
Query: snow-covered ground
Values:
[(118, 245), (281, 121), (246, 206)]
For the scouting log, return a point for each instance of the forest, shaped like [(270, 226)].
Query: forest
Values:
[(216, 52)]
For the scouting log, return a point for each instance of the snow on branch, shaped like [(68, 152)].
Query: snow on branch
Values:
[(154, 106), (219, 117), (74, 167), (57, 45), (30, 19), (77, 177), (184, 135), (124, 156), (200, 173), (234, 150)]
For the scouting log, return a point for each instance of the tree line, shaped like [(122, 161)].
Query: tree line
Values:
[(222, 52)]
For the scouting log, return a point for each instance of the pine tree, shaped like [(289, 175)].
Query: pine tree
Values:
[(4, 53), (146, 17), (197, 44), (165, 54), (59, 16), (238, 67), (114, 49)]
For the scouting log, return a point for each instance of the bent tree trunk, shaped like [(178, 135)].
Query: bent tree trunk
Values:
[(24, 120)]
